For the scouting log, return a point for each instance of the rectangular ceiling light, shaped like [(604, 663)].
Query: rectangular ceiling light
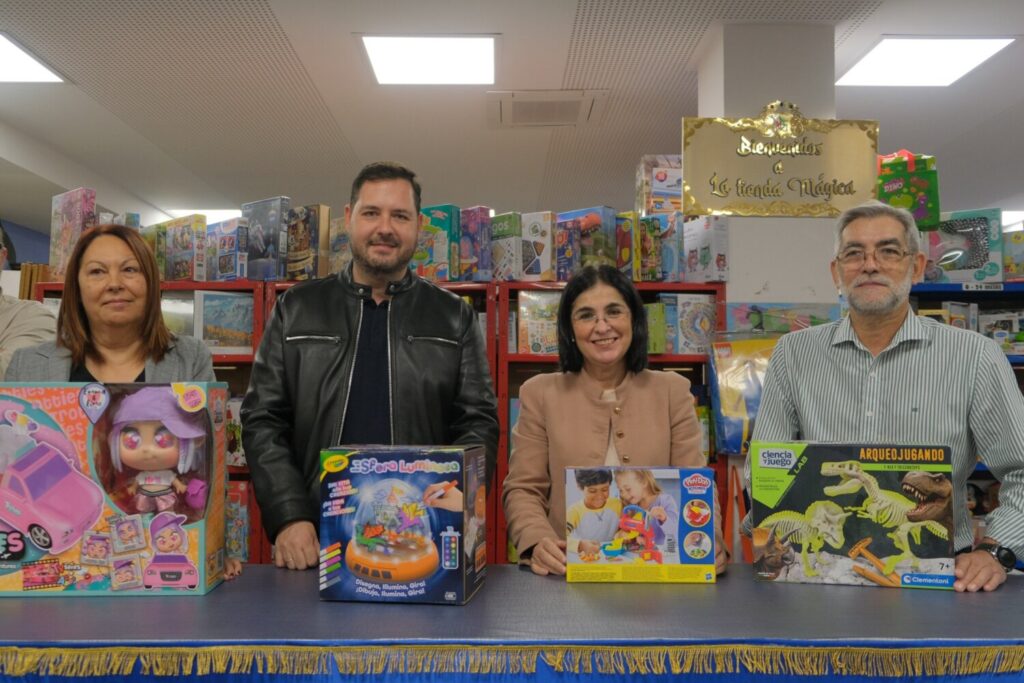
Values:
[(18, 66), (433, 60), (921, 61)]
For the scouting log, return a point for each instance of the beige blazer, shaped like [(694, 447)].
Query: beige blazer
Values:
[(563, 422)]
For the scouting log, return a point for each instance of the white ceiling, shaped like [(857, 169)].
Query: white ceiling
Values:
[(207, 104)]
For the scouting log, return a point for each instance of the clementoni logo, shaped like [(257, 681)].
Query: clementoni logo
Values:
[(777, 458), (696, 483)]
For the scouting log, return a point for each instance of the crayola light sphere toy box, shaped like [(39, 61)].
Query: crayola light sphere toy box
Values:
[(115, 489), (640, 524), (402, 523)]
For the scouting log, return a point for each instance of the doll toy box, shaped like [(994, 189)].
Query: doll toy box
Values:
[(402, 523), (114, 489), (640, 524), (858, 514)]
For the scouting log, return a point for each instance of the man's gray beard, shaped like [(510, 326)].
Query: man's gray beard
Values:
[(900, 293)]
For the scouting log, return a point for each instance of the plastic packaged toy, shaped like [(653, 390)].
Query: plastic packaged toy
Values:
[(120, 486), (640, 524), (402, 523)]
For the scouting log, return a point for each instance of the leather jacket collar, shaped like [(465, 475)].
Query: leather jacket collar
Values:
[(365, 291)]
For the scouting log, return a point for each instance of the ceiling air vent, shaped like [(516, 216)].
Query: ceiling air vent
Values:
[(545, 108)]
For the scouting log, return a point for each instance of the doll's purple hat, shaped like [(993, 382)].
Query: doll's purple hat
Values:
[(163, 520), (158, 403)]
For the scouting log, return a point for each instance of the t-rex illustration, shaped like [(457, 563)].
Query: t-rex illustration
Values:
[(888, 509), (821, 523)]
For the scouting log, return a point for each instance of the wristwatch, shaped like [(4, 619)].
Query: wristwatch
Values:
[(1003, 555)]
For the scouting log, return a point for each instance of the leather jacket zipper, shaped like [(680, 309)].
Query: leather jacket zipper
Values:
[(450, 342), (313, 337), (351, 372), (391, 384)]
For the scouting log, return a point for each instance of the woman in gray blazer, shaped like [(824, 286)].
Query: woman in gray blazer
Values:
[(110, 327)]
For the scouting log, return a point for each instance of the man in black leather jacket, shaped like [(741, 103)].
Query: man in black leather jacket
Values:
[(370, 355)]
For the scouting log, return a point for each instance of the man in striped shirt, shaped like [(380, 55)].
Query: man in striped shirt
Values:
[(885, 375)]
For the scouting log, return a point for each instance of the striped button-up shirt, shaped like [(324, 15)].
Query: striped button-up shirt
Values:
[(934, 384)]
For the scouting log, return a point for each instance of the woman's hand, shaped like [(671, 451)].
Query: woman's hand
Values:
[(548, 557)]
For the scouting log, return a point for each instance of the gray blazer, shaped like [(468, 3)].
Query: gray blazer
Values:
[(187, 360)]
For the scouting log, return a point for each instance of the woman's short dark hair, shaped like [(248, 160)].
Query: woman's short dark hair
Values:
[(569, 357)]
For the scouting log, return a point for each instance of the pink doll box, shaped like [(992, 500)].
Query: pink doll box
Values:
[(112, 489)]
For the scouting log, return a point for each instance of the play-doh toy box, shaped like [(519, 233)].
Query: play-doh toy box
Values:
[(859, 514), (640, 524), (402, 523), (115, 489)]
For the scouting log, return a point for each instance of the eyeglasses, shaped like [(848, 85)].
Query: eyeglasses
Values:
[(588, 316), (886, 255)]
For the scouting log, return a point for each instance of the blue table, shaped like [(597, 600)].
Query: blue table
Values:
[(270, 623)]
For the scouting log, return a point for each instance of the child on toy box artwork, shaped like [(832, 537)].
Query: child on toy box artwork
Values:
[(167, 535), (595, 519), (154, 444), (639, 487)]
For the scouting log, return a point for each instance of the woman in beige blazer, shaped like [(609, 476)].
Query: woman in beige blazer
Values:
[(604, 408)]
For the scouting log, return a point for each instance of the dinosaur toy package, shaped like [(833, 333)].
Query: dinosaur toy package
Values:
[(640, 524), (860, 514)]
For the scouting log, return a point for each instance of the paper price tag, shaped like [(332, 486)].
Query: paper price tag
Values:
[(983, 286)]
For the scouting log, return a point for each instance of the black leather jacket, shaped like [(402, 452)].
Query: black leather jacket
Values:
[(441, 389)]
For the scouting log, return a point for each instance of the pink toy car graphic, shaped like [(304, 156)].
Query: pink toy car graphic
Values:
[(43, 496), (170, 571)]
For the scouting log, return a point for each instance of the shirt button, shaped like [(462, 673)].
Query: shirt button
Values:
[(620, 433), (870, 413), (617, 409), (625, 458)]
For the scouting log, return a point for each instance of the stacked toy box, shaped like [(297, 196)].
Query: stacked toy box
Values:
[(227, 250), (639, 524), (475, 244), (309, 235), (596, 229), (116, 488), (507, 246), (71, 213), (268, 237), (706, 245), (402, 523), (538, 246)]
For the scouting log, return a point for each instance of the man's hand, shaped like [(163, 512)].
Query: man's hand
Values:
[(548, 557), (297, 546), (976, 571), (721, 556)]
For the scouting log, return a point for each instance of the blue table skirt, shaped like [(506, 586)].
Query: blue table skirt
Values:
[(271, 624)]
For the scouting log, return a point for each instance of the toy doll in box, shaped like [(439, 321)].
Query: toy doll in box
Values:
[(156, 445)]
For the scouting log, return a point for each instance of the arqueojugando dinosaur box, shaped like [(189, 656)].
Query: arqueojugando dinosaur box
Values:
[(861, 514)]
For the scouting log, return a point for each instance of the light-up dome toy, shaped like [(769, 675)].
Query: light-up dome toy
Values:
[(391, 536)]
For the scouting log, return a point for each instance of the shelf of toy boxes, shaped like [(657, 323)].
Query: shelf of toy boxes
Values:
[(259, 546), (988, 295), (515, 368), (483, 296)]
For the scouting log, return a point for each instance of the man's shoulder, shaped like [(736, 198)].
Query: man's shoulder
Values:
[(814, 336), (14, 307), (945, 336), (433, 292)]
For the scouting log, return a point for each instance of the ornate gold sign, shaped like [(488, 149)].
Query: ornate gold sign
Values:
[(779, 164)]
